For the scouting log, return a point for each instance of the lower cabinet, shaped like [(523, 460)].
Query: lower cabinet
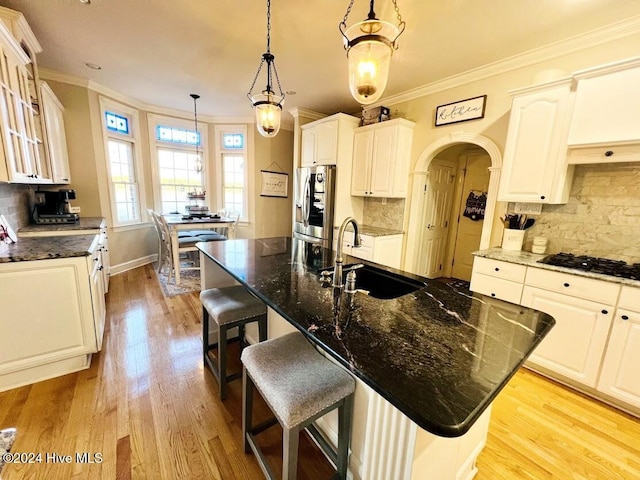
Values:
[(620, 377), (595, 342), (385, 250), (52, 319), (576, 343)]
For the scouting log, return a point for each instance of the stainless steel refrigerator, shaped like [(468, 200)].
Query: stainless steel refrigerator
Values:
[(314, 203)]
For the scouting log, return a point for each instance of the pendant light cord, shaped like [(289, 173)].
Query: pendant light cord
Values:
[(195, 118)]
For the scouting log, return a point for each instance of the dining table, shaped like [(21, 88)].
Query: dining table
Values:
[(177, 222)]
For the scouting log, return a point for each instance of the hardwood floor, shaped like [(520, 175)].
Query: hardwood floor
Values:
[(151, 411)]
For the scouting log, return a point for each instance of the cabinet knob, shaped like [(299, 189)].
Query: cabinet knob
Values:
[(493, 294), (608, 153), (604, 312), (625, 317), (566, 284), (542, 197), (95, 259), (100, 267), (497, 269)]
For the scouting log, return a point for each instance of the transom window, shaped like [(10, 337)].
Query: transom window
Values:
[(180, 163), (121, 150), (233, 140)]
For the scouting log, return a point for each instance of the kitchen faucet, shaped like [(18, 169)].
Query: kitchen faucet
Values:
[(337, 268)]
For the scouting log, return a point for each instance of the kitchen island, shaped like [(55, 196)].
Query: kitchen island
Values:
[(428, 363)]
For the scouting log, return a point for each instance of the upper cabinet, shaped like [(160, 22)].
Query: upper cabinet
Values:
[(25, 149), (606, 116), (325, 140), (535, 167), (381, 158), (53, 110)]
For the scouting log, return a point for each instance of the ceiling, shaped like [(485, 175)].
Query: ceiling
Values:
[(160, 51)]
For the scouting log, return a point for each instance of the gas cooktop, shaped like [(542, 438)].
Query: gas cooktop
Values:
[(604, 266)]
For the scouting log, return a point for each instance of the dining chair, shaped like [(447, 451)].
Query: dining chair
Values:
[(164, 254), (186, 244)]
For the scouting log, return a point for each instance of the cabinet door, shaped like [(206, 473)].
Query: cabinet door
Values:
[(327, 143), (575, 345), (98, 302), (383, 162), (308, 155), (620, 377), (534, 160), (361, 168), (606, 110), (55, 135)]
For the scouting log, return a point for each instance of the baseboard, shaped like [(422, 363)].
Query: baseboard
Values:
[(138, 262)]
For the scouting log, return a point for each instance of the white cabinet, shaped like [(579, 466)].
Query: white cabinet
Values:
[(574, 346), (381, 158), (498, 279), (620, 377), (384, 249), (607, 106), (535, 167), (56, 140), (51, 312), (326, 140)]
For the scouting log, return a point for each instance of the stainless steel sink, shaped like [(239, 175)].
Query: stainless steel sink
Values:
[(379, 283)]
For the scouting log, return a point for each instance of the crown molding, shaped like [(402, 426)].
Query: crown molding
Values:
[(55, 76), (593, 38)]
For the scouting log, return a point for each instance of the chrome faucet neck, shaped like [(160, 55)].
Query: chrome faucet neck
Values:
[(337, 270)]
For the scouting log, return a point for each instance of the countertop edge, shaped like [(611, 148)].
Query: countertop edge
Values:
[(531, 260)]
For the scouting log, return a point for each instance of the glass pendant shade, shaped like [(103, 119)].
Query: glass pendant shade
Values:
[(369, 59), (268, 107)]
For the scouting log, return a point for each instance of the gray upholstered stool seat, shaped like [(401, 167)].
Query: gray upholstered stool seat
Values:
[(229, 307), (300, 386)]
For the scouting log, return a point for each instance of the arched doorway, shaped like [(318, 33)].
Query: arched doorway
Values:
[(415, 257)]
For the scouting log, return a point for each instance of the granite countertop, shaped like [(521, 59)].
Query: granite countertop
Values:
[(372, 231), (89, 224), (46, 248), (440, 354), (532, 260)]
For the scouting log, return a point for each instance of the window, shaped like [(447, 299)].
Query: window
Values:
[(234, 171), (125, 188), (179, 153)]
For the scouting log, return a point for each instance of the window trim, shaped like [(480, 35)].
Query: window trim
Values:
[(220, 130), (133, 115), (153, 120)]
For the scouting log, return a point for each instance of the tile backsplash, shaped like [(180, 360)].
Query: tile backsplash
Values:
[(389, 215), (14, 204), (602, 217)]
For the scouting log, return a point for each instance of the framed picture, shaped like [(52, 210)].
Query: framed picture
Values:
[(274, 184), (461, 111)]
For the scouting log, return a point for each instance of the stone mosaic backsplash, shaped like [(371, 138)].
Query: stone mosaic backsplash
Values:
[(602, 217), (14, 204), (389, 215)]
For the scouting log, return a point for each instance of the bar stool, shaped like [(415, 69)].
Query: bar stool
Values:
[(229, 307), (300, 386)]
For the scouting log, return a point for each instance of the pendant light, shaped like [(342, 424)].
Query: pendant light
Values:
[(369, 45), (198, 164), (268, 105)]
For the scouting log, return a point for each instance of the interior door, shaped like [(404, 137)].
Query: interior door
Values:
[(469, 229), (435, 219)]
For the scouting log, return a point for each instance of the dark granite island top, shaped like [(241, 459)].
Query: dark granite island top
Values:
[(440, 355), (85, 225)]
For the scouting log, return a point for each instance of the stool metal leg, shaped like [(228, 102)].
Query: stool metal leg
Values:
[(222, 360), (290, 440), (345, 413), (247, 408), (262, 328)]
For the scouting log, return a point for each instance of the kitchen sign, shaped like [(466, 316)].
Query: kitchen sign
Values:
[(462, 111)]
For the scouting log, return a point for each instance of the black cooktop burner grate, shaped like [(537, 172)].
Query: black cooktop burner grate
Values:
[(604, 266)]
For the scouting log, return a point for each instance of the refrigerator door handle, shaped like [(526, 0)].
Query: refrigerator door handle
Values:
[(306, 201)]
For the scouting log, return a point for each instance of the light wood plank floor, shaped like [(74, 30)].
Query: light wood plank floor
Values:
[(151, 410)]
